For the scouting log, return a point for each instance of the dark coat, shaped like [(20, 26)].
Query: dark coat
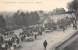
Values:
[(45, 43)]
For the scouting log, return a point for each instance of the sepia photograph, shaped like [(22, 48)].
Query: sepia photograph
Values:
[(38, 24)]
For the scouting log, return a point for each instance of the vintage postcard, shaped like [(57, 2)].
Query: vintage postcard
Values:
[(38, 24)]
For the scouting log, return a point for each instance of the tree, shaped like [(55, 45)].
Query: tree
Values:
[(74, 7), (34, 17), (26, 19), (18, 18), (2, 22)]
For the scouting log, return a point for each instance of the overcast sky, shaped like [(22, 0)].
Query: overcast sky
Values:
[(31, 5)]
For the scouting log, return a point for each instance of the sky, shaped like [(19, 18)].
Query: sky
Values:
[(32, 5)]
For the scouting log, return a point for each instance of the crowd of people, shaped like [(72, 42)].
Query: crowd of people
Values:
[(9, 40), (63, 23)]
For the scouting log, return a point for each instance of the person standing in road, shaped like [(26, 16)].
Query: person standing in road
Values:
[(35, 36), (45, 44)]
